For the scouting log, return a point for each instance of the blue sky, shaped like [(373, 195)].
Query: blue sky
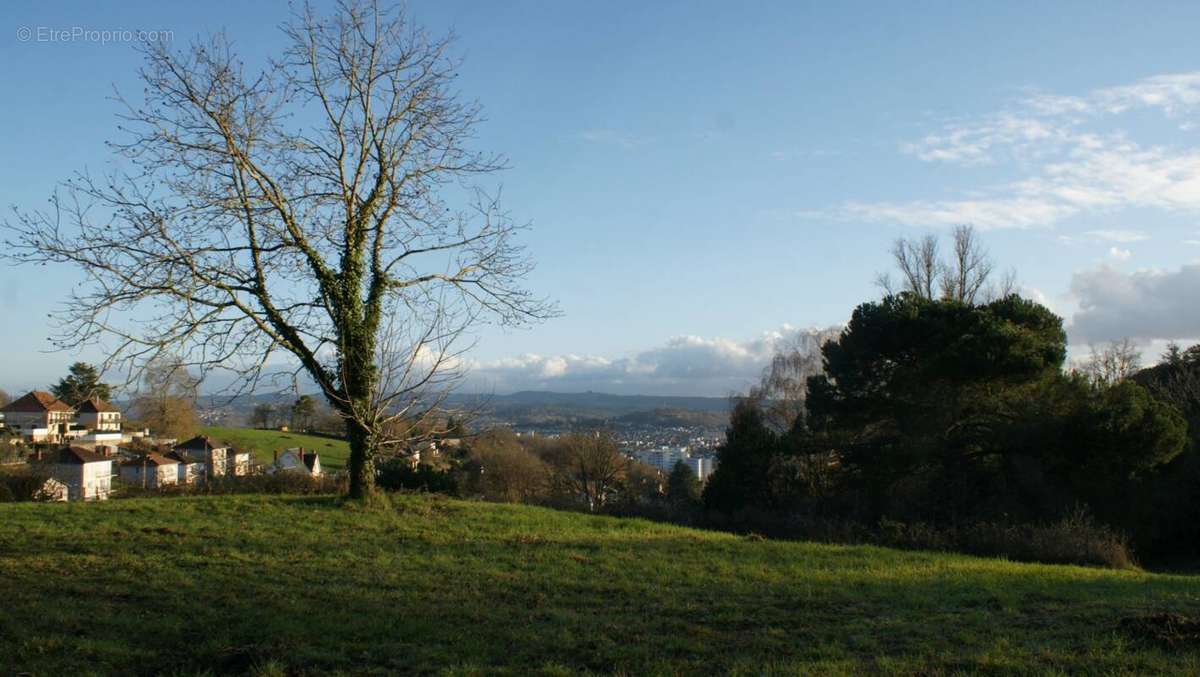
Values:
[(704, 179)]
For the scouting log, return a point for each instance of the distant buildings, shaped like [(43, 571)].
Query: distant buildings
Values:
[(218, 458), (191, 470), (665, 460), (86, 474), (150, 471), (39, 416), (96, 414), (300, 461)]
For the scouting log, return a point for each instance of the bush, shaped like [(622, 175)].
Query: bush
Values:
[(20, 484), (397, 474), (1074, 539), (276, 483)]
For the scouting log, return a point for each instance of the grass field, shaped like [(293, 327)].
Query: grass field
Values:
[(304, 585), (263, 442)]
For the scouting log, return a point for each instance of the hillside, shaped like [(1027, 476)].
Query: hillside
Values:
[(526, 408), (421, 584), (262, 443)]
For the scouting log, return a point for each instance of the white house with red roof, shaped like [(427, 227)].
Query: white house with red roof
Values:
[(190, 470), (88, 475), (98, 415), (39, 416), (150, 471)]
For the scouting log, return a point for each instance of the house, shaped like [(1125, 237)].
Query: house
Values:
[(237, 463), (191, 470), (298, 460), (151, 471), (214, 455), (87, 475), (39, 416), (97, 415)]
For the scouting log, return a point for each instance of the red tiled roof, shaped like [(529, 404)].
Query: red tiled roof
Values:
[(95, 405), (201, 443), (36, 401), (181, 457), (151, 459), (79, 456)]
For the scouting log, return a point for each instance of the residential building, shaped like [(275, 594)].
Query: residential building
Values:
[(191, 470), (237, 463), (99, 416), (703, 466), (298, 460), (150, 471), (87, 475), (39, 416), (665, 459), (213, 454)]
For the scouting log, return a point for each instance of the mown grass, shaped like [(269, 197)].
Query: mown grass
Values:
[(306, 585), (261, 443)]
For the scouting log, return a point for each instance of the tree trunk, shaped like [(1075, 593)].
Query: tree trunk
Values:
[(362, 461)]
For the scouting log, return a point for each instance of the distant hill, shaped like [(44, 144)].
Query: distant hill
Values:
[(613, 404), (531, 408), (591, 409)]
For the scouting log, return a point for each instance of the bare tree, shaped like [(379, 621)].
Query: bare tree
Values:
[(968, 269), (589, 467), (319, 214), (166, 398), (1113, 363), (919, 265), (964, 277)]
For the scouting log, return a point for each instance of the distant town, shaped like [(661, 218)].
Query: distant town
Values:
[(91, 449)]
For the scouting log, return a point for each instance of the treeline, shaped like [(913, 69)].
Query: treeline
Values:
[(947, 415), (578, 471)]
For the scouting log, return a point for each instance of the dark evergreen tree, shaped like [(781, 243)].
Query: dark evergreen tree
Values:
[(80, 384)]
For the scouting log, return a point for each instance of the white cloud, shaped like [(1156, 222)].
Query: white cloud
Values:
[(1011, 212), (1120, 254), (1120, 236), (684, 365), (1144, 305), (1068, 159)]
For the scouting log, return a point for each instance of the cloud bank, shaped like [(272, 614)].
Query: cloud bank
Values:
[(684, 365), (1145, 305)]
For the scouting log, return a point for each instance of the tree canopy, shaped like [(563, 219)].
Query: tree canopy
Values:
[(81, 383)]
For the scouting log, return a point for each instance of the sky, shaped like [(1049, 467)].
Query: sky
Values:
[(708, 181)]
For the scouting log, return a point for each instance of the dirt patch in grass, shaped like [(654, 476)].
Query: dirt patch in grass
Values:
[(1165, 629)]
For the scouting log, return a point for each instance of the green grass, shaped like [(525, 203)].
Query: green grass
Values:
[(263, 442), (285, 584)]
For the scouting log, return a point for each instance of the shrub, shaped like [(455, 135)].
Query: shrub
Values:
[(1074, 539), (276, 483), (397, 474), (20, 484)]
